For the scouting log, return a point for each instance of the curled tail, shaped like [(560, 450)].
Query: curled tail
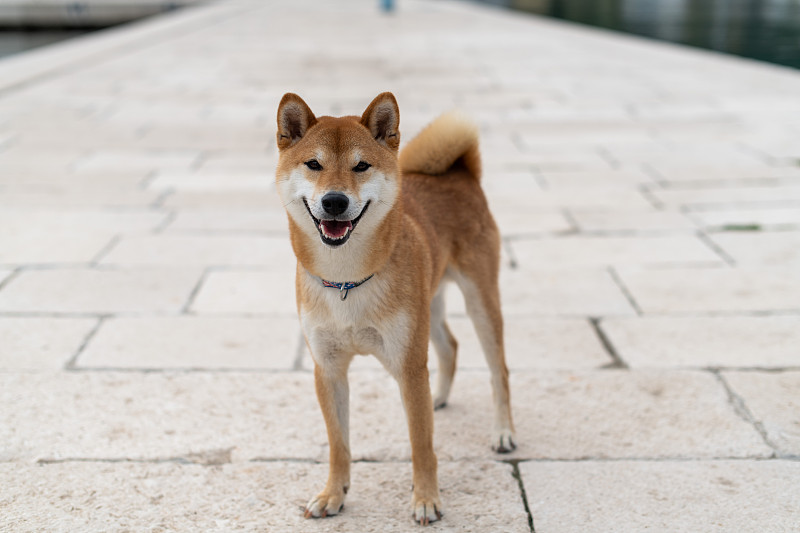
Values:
[(449, 140)]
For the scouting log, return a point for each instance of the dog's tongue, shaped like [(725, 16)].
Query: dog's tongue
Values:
[(335, 229)]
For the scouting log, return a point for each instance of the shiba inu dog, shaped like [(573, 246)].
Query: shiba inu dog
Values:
[(376, 237)]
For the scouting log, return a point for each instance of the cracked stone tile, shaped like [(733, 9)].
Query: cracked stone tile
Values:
[(724, 496), (731, 341), (699, 290), (99, 291), (773, 401), (249, 497), (193, 342), (33, 343)]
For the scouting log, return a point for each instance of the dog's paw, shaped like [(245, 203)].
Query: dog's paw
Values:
[(426, 510), (325, 504), (503, 441)]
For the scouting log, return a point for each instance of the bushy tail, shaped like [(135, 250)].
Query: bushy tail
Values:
[(450, 139)]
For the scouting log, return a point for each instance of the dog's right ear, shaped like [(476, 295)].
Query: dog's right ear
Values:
[(294, 119)]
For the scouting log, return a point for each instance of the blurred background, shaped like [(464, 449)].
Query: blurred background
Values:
[(768, 30)]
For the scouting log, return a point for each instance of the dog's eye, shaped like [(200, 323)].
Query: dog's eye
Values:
[(361, 166), (313, 164)]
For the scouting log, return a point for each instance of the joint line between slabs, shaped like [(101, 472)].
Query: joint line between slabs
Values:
[(515, 473), (741, 409), (617, 361), (705, 239), (70, 365), (625, 291), (195, 291)]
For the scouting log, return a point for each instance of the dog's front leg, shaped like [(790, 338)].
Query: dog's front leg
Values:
[(416, 391), (333, 394)]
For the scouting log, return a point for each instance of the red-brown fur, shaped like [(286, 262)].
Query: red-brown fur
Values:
[(418, 230)]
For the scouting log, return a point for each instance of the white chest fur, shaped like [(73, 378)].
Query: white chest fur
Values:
[(363, 323)]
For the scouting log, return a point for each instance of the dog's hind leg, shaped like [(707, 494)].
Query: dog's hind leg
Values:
[(482, 299), (446, 347)]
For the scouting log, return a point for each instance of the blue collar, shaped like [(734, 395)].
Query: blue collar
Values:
[(345, 286)]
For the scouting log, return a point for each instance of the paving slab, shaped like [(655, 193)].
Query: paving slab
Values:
[(85, 220), (193, 342), (202, 250), (598, 251), (631, 221), (752, 218), (773, 401), (23, 243), (74, 290), (160, 415), (768, 249), (713, 290), (725, 173), (719, 496), (731, 341), (516, 222), (255, 221), (578, 197), (695, 198), (559, 415), (123, 198), (249, 497), (208, 182), (246, 292), (220, 200), (580, 292), (34, 344), (612, 179), (532, 343), (141, 159)]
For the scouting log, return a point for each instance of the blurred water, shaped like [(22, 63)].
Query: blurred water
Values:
[(768, 30), (14, 42)]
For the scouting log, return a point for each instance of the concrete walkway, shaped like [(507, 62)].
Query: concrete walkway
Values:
[(153, 378)]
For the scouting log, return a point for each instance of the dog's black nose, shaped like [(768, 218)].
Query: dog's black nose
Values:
[(335, 203)]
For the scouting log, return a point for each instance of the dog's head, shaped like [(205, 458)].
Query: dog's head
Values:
[(338, 174)]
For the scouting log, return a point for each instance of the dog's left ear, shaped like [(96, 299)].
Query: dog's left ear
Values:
[(382, 119)]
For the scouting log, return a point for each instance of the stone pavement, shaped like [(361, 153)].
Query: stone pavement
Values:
[(153, 377)]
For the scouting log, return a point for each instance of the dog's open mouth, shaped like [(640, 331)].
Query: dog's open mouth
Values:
[(335, 232)]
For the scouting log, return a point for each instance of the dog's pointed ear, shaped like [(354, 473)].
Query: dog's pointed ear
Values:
[(294, 119), (382, 119)]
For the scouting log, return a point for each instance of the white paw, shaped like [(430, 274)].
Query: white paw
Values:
[(504, 441), (323, 505), (427, 510)]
